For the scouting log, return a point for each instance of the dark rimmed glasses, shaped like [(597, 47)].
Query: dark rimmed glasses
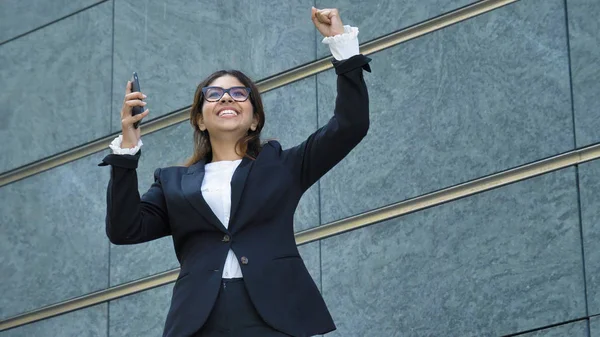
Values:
[(214, 94)]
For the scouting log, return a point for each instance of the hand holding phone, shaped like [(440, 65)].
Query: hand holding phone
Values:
[(135, 87), (132, 113)]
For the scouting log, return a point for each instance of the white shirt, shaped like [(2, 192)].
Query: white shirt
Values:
[(216, 185), (216, 190)]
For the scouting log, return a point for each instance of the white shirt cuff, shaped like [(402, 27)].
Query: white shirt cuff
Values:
[(115, 146), (343, 46)]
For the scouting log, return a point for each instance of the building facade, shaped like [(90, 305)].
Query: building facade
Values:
[(492, 91)]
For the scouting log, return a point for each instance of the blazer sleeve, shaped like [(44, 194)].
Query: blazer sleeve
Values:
[(349, 125), (129, 218)]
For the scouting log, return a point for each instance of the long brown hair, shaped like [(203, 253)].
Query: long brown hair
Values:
[(250, 144)]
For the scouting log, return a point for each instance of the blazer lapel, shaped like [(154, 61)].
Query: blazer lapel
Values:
[(191, 184), (238, 181)]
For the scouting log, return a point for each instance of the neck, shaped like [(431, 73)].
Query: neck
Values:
[(224, 149)]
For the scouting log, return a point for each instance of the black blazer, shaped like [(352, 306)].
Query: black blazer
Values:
[(264, 195)]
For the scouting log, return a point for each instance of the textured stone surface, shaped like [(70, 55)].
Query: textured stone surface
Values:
[(311, 254), (473, 99), (497, 263), (55, 87), (142, 314), (584, 40), (594, 327), (589, 185), (385, 16), (577, 329), (21, 16), (53, 244)]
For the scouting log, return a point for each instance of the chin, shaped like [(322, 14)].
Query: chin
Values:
[(228, 129)]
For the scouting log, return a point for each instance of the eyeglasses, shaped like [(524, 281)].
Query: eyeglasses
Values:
[(214, 94)]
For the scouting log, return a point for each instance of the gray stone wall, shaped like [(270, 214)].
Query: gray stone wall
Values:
[(503, 89)]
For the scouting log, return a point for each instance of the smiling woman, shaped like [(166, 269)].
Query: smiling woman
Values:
[(230, 209), (227, 109)]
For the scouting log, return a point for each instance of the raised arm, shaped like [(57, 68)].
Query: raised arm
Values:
[(350, 122), (129, 218)]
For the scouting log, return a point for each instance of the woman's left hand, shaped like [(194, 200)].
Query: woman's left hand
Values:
[(327, 21)]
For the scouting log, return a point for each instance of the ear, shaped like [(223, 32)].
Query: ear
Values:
[(201, 125), (254, 124)]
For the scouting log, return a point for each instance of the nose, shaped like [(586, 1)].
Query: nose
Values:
[(226, 99)]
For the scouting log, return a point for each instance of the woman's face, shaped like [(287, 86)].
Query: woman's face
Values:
[(227, 115)]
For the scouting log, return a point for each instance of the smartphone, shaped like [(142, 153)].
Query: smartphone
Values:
[(135, 86)]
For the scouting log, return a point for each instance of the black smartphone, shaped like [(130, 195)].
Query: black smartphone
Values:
[(135, 86)]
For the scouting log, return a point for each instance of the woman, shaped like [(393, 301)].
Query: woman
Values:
[(230, 209)]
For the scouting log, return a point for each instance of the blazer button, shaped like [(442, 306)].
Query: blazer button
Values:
[(244, 260), (226, 238)]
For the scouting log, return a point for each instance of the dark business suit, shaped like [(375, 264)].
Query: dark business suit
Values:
[(264, 195)]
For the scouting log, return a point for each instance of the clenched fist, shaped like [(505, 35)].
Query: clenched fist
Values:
[(327, 21)]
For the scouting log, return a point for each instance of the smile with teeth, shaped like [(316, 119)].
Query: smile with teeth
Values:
[(227, 112)]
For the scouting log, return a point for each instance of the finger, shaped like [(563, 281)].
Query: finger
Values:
[(135, 102), (128, 88), (330, 12), (334, 15), (323, 19), (132, 119), (336, 21), (134, 95), (313, 14), (125, 110), (140, 116), (323, 16)]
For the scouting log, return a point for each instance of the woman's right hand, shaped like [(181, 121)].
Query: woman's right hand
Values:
[(131, 135)]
